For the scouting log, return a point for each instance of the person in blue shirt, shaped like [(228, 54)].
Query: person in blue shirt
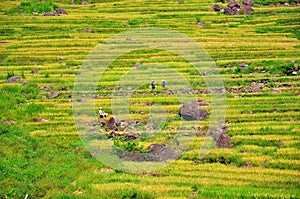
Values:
[(153, 84), (163, 83)]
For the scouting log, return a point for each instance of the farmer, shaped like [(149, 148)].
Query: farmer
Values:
[(153, 84), (163, 83), (102, 114)]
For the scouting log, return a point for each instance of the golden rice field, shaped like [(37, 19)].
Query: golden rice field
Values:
[(42, 154)]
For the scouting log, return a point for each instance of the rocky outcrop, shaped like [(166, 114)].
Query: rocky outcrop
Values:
[(193, 111), (13, 79), (235, 7)]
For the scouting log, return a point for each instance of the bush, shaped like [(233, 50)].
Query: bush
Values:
[(34, 108), (283, 69), (29, 7), (128, 146), (10, 74)]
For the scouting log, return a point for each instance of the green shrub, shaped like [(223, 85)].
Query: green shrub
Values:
[(128, 146), (282, 69), (34, 108), (10, 74), (28, 7), (23, 75), (272, 84)]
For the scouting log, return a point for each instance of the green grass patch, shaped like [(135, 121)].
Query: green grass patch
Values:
[(28, 7)]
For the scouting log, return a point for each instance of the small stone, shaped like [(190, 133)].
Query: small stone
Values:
[(217, 8), (248, 2), (248, 164), (43, 96), (280, 144), (54, 95), (243, 64), (61, 11), (65, 88), (45, 88), (137, 65), (88, 30), (39, 120), (201, 23), (10, 122), (35, 71), (77, 192), (294, 73), (48, 14), (84, 3)]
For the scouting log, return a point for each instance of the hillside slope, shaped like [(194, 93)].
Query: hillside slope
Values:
[(257, 56)]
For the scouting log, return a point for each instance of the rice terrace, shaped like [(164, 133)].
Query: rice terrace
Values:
[(149, 99)]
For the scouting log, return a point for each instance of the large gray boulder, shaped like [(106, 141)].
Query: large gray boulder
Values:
[(193, 111)]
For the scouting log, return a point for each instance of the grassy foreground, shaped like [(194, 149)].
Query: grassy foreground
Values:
[(43, 156)]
